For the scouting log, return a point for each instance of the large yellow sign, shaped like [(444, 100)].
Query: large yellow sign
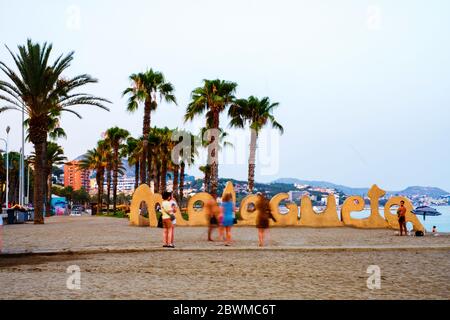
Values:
[(308, 218)]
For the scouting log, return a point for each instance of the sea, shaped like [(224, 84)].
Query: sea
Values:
[(441, 222)]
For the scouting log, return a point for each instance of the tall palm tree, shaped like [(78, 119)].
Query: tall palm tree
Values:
[(55, 156), (14, 170), (55, 132), (213, 98), (96, 159), (206, 169), (116, 136), (108, 172), (166, 145), (38, 89), (257, 114), (134, 149), (155, 160), (146, 87), (187, 158)]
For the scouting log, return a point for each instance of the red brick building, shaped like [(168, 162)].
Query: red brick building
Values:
[(75, 177)]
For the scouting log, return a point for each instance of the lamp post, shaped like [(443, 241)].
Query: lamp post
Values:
[(7, 165)]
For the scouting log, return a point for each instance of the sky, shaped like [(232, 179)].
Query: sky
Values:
[(363, 85)]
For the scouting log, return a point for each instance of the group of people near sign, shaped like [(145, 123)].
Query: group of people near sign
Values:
[(221, 215)]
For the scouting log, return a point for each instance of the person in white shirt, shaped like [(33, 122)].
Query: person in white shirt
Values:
[(168, 216)]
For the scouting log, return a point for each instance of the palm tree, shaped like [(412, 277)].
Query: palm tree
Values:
[(213, 98), (54, 153), (257, 113), (55, 156), (40, 91), (145, 88), (109, 172), (96, 159), (206, 170), (134, 149), (166, 145), (14, 170), (116, 136), (187, 157), (205, 143)]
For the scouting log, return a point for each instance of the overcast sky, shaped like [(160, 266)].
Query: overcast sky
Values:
[(363, 86)]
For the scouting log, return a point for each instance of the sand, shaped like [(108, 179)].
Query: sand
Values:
[(298, 264)]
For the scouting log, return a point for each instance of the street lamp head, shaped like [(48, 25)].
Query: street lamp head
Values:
[(7, 129)]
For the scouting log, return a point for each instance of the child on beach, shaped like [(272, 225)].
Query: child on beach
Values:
[(435, 232)]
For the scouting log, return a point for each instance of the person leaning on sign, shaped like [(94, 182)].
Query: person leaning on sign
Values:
[(263, 217), (401, 213)]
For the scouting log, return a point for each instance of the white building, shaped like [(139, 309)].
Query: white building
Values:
[(125, 184)]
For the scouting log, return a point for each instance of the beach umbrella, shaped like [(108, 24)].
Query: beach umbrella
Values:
[(426, 211)]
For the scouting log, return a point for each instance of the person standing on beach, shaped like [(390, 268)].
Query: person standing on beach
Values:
[(262, 219), (212, 214), (168, 215), (401, 212), (228, 216)]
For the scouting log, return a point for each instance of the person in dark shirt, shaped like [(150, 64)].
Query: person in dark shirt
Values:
[(264, 214)]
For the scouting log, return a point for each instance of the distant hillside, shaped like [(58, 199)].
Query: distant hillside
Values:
[(324, 184), (429, 191), (410, 191)]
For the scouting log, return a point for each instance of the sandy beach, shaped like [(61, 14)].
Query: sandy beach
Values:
[(299, 263)]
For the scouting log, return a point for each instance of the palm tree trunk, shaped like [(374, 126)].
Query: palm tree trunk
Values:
[(39, 186), (252, 161), (214, 143), (207, 180), (182, 168), (115, 176), (176, 177), (108, 187), (48, 208), (99, 179), (155, 173), (163, 187), (146, 132), (136, 175), (158, 178), (150, 166)]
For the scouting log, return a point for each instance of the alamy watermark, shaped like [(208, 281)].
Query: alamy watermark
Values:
[(73, 282), (374, 280), (213, 146), (73, 18), (374, 17)]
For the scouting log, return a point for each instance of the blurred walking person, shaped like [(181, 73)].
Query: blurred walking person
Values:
[(212, 214), (264, 214), (227, 216)]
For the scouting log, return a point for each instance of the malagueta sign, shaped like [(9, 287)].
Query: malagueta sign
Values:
[(308, 217)]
